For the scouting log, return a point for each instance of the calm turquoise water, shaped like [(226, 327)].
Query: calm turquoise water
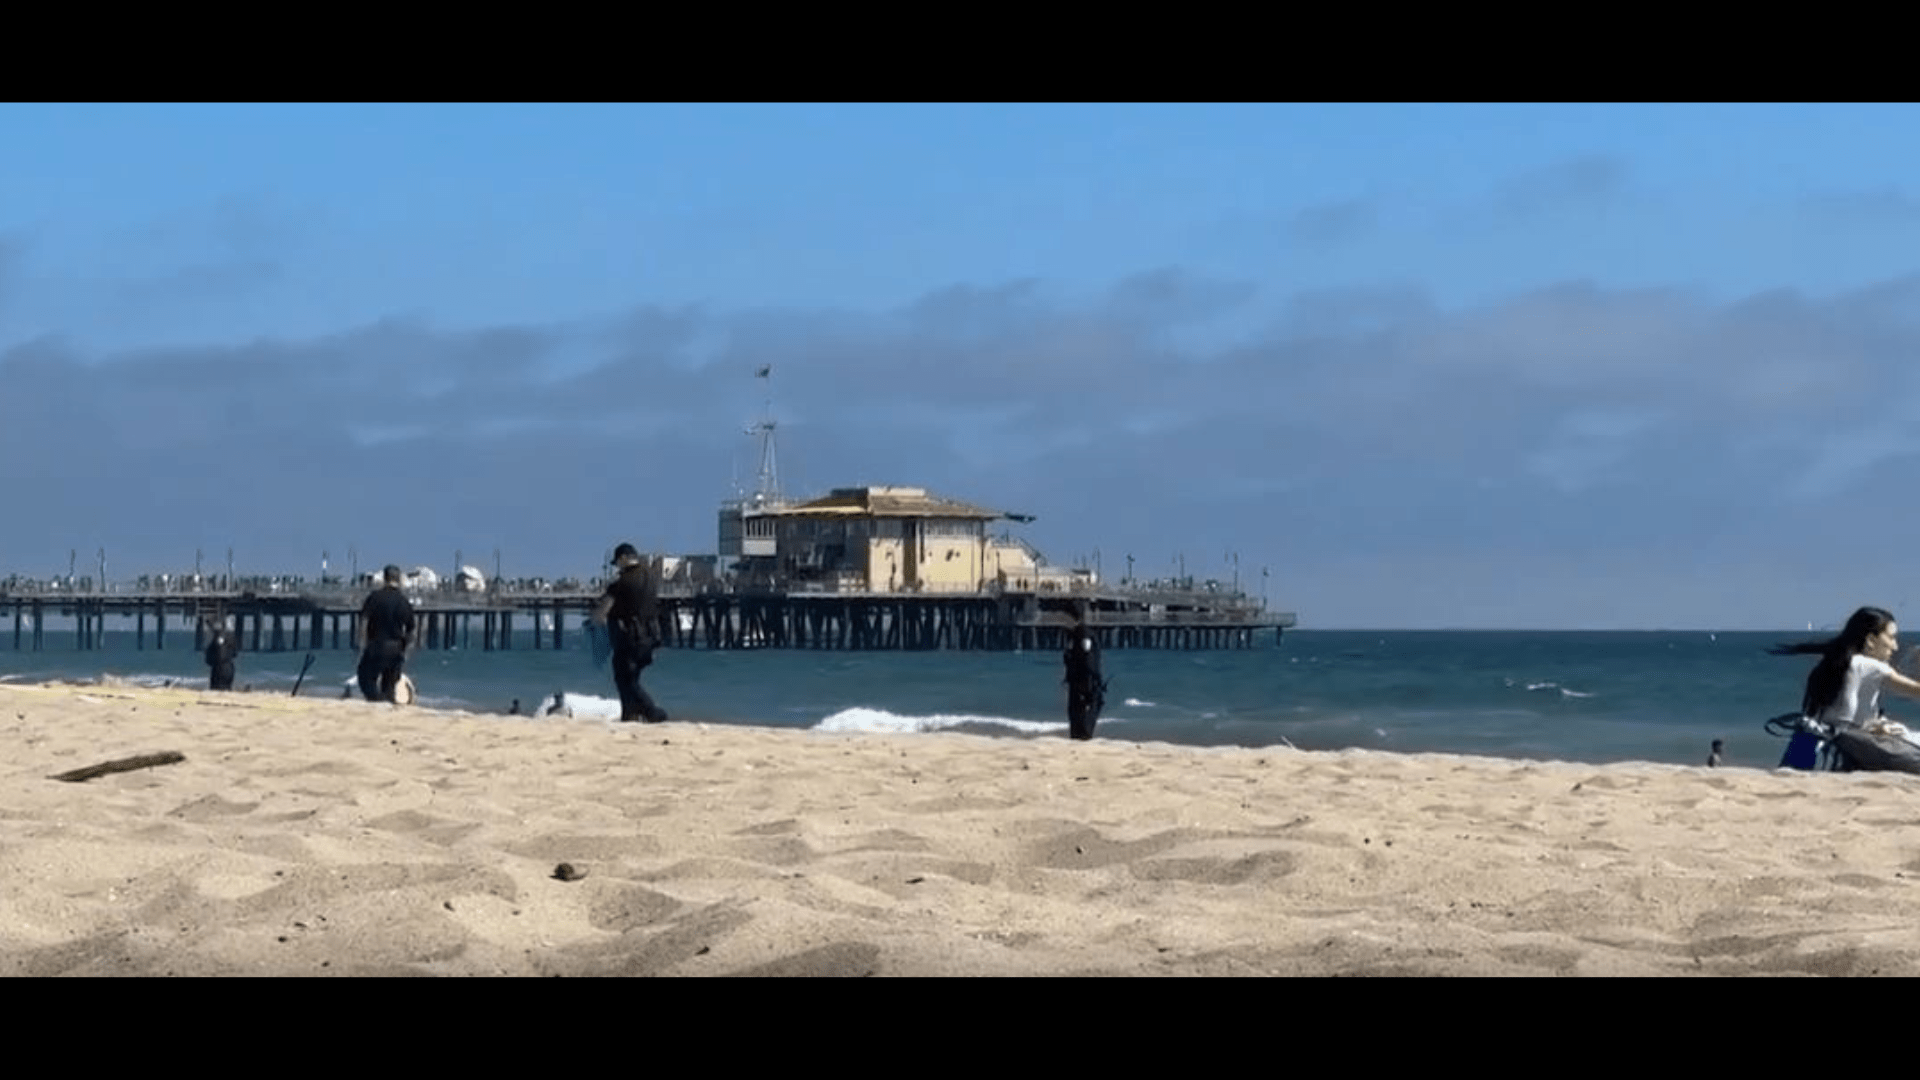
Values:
[(1575, 696)]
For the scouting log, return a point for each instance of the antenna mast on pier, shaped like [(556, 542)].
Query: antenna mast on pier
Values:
[(768, 492)]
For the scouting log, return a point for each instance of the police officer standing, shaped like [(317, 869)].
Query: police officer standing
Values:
[(387, 628), (630, 610)]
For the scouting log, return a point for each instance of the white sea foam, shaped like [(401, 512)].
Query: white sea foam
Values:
[(579, 706), (148, 680), (441, 703), (1564, 691), (882, 721)]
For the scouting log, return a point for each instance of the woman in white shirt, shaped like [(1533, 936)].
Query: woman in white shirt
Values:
[(1844, 687)]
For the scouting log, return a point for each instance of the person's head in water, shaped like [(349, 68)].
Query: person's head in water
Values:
[(392, 574), (1871, 632)]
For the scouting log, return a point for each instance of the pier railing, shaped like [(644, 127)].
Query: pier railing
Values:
[(709, 614), (339, 596)]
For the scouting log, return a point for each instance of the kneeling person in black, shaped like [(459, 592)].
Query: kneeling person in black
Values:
[(630, 610), (1086, 687), (387, 627), (221, 650)]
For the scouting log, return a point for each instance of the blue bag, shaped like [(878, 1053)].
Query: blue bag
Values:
[(1803, 752)]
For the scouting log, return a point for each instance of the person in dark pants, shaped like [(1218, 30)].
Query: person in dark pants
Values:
[(1086, 688), (630, 610), (386, 631), (222, 648)]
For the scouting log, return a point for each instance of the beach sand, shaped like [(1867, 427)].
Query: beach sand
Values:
[(323, 837)]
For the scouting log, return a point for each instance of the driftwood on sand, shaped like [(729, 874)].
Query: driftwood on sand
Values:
[(144, 761)]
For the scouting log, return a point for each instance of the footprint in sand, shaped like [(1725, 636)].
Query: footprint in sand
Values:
[(1258, 867), (850, 959), (442, 831), (685, 943), (211, 808), (551, 848), (619, 907), (1083, 848)]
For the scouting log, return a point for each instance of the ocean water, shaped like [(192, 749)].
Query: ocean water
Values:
[(1592, 697)]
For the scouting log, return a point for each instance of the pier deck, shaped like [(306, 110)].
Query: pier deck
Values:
[(1122, 618)]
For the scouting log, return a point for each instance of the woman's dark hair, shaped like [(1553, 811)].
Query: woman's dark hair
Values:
[(1836, 654)]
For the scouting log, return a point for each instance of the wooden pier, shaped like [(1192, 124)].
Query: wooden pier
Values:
[(497, 620)]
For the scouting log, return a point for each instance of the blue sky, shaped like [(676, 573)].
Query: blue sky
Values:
[(1429, 365)]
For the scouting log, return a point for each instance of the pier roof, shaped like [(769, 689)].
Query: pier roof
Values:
[(887, 502)]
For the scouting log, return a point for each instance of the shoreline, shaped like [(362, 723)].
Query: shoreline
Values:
[(304, 836)]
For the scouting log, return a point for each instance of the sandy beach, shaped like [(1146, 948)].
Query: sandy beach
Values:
[(322, 837)]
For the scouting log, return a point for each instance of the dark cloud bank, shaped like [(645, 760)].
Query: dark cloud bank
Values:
[(1371, 450)]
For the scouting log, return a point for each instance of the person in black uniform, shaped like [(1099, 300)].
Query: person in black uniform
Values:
[(1086, 689), (387, 627), (630, 610), (222, 648)]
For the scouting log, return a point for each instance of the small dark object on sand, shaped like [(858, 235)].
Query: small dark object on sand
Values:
[(568, 872), (170, 757)]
